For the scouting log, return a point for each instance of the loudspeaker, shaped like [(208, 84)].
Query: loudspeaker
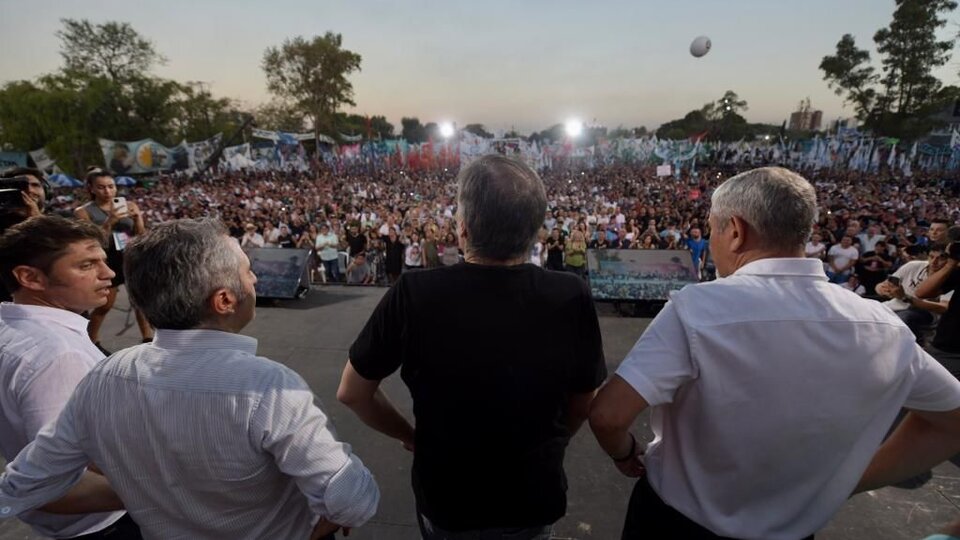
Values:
[(281, 272)]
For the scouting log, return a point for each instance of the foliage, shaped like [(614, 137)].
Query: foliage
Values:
[(902, 99), (312, 76)]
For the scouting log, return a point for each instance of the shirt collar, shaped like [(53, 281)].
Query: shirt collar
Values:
[(204, 339), (62, 317), (798, 267)]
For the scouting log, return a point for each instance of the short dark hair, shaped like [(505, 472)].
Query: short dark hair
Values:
[(39, 242), (501, 202), (941, 221), (22, 171)]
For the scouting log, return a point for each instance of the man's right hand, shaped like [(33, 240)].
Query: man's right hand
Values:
[(324, 528)]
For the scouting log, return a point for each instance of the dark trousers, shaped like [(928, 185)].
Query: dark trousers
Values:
[(429, 531), (121, 529), (647, 514)]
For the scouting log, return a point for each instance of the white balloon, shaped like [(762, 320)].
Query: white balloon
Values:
[(700, 46)]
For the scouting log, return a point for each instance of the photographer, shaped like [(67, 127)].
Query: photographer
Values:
[(946, 342), (29, 181), (18, 207)]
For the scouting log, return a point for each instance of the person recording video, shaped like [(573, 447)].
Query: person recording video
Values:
[(946, 341), (901, 290), (22, 196)]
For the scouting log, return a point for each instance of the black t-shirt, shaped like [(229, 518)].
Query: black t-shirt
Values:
[(947, 337), (491, 355), (357, 244)]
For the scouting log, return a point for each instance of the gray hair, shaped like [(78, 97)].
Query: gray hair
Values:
[(172, 270), (501, 203), (779, 204)]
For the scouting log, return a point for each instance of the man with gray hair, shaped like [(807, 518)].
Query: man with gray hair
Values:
[(199, 437), (502, 359), (772, 390)]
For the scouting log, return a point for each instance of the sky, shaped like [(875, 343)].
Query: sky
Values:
[(520, 64)]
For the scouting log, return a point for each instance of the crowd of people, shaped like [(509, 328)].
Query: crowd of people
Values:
[(403, 220), (193, 435)]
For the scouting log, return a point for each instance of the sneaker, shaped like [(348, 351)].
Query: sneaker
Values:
[(104, 351)]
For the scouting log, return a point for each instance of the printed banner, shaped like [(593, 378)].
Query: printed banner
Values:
[(200, 152), (144, 156)]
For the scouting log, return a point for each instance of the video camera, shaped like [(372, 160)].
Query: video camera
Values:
[(11, 190)]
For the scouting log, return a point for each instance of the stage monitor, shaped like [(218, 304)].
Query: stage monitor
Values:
[(625, 275), (280, 271)]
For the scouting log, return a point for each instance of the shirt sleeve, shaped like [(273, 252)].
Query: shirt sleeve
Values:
[(934, 388), (46, 468), (50, 385), (376, 353), (591, 368), (660, 362), (298, 435)]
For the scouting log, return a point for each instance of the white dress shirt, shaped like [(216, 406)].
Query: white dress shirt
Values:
[(771, 391), (202, 439), (44, 352)]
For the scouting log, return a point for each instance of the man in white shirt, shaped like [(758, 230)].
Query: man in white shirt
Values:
[(56, 269), (918, 314), (771, 389), (199, 436), (841, 259), (869, 239), (251, 238)]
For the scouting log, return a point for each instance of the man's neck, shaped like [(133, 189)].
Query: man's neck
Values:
[(25, 298), (471, 258)]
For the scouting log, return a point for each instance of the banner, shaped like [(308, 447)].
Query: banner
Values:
[(144, 156), (200, 152), (12, 159), (43, 161), (638, 274)]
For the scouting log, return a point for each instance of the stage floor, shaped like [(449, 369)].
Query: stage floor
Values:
[(313, 335)]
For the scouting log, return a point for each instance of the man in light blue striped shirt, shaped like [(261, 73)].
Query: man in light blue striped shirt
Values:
[(200, 438)]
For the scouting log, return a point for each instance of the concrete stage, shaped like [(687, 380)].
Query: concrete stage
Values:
[(313, 335)]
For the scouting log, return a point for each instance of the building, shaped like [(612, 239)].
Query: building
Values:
[(805, 118)]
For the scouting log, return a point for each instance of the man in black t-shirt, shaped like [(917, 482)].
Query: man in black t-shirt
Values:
[(502, 359)]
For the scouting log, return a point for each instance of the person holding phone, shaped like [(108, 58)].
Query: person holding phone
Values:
[(901, 289), (121, 220)]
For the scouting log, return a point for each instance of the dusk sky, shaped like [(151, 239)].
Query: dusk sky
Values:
[(522, 64)]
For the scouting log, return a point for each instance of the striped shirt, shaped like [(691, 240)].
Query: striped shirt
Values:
[(201, 439), (44, 353)]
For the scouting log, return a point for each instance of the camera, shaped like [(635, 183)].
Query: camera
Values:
[(11, 189)]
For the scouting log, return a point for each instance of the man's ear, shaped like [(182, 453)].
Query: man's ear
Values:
[(223, 303), (30, 278), (739, 231)]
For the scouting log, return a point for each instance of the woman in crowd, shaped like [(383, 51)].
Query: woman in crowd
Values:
[(393, 256), (451, 250), (413, 254), (575, 254), (555, 247), (119, 226)]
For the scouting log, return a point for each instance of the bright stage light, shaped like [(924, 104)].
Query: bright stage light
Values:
[(574, 128), (446, 129)]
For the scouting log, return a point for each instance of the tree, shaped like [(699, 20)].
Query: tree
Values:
[(899, 101), (478, 130), (112, 49), (412, 131), (312, 76), (278, 115), (729, 106)]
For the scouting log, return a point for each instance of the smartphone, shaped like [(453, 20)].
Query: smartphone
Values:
[(120, 205), (894, 280)]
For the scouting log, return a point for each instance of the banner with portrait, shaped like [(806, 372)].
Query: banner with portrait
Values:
[(144, 156)]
